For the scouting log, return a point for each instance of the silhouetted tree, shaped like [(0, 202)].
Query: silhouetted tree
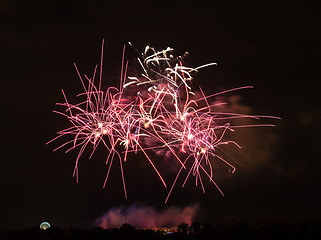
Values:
[(195, 228), (208, 228), (183, 228), (127, 227)]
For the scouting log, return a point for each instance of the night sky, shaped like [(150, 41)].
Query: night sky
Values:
[(271, 45)]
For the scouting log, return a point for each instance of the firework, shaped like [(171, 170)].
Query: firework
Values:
[(156, 110)]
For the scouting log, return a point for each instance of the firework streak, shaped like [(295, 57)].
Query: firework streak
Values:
[(152, 112)]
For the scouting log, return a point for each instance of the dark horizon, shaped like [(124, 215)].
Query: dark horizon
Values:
[(230, 228), (271, 46)]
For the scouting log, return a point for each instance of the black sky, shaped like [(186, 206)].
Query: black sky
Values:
[(272, 45)]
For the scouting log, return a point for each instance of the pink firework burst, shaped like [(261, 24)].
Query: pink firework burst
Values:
[(156, 110)]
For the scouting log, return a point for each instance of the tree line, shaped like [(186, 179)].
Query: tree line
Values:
[(228, 228)]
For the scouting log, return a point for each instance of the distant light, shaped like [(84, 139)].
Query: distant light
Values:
[(44, 225)]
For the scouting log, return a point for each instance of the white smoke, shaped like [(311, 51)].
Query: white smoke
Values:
[(147, 217)]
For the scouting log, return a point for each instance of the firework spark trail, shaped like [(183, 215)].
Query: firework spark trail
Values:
[(156, 110)]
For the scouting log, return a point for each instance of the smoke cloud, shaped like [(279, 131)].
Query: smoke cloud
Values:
[(147, 217)]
